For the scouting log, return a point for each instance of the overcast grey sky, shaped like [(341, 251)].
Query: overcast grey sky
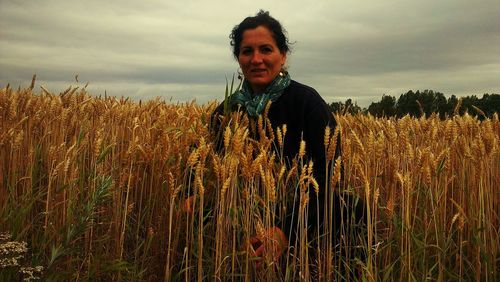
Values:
[(180, 50)]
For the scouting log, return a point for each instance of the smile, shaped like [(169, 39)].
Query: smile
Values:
[(258, 71)]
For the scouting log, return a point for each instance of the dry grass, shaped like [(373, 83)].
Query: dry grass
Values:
[(95, 185)]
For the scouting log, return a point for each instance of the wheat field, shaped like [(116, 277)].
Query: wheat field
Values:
[(93, 188)]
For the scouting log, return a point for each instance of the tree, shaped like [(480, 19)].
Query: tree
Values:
[(347, 107), (450, 105), (419, 103), (407, 104), (336, 107), (426, 103), (490, 103), (386, 107)]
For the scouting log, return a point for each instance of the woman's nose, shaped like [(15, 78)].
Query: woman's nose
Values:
[(256, 58)]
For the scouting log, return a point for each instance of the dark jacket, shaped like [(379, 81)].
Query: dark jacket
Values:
[(306, 116)]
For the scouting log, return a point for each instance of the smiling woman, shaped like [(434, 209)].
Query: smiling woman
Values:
[(260, 58), (261, 47)]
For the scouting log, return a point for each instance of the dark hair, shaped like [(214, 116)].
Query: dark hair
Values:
[(262, 18)]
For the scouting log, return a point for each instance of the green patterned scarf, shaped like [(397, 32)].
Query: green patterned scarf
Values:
[(255, 103)]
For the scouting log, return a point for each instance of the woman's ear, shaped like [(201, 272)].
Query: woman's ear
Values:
[(283, 59)]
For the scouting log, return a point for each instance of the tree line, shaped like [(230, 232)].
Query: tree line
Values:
[(425, 103)]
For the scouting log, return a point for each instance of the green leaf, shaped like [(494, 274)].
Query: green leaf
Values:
[(56, 253), (440, 166), (81, 134), (104, 153)]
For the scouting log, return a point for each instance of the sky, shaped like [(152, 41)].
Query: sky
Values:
[(179, 50)]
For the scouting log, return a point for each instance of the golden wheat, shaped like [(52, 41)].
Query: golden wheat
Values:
[(429, 185)]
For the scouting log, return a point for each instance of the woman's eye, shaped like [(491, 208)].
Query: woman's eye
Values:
[(246, 52), (267, 50)]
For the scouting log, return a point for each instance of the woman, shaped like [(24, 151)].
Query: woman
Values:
[(261, 48)]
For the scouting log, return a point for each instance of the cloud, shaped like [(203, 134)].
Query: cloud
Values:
[(368, 88), (404, 40), (176, 49)]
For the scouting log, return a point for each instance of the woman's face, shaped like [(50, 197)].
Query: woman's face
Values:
[(260, 58)]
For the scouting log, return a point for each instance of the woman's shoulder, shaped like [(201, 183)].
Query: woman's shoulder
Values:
[(300, 88), (302, 93)]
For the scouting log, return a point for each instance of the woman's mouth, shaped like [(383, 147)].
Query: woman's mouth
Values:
[(258, 71)]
